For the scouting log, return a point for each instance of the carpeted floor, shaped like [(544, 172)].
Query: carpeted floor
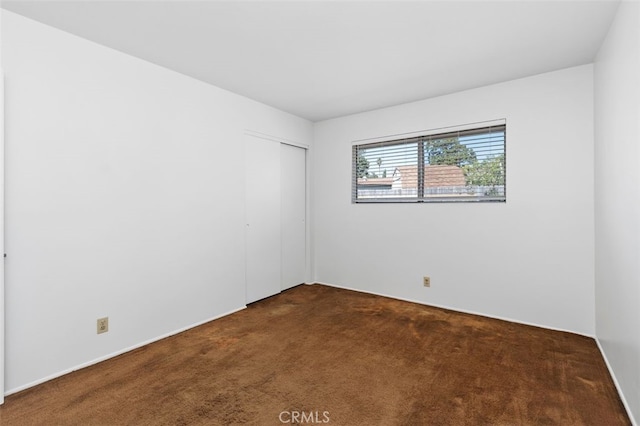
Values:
[(318, 354)]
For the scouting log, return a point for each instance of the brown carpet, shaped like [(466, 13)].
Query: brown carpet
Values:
[(316, 353)]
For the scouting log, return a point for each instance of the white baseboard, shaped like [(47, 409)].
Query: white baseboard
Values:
[(615, 381), (420, 302), (114, 354)]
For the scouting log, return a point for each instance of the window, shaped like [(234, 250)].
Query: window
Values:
[(463, 165)]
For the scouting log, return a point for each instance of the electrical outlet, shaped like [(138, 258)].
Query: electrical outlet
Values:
[(426, 281), (103, 325)]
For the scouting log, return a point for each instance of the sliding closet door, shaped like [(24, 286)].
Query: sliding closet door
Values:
[(263, 233), (293, 213)]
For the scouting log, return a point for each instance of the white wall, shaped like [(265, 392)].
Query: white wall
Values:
[(124, 198), (529, 259), (617, 202), (1, 222)]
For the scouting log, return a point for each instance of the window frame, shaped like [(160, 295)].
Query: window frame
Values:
[(419, 138)]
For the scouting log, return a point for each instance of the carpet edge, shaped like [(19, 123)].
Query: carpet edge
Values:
[(464, 311)]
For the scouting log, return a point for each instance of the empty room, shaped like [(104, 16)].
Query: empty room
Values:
[(320, 212)]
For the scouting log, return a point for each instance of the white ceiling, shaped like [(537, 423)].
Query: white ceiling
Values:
[(324, 59)]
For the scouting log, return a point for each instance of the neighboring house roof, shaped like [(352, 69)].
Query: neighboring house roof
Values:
[(434, 176)]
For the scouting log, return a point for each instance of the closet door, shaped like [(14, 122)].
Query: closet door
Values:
[(293, 215), (263, 234)]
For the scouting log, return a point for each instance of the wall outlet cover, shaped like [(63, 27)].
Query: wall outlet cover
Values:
[(103, 325)]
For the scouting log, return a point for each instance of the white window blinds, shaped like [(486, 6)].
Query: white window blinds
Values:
[(465, 165)]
